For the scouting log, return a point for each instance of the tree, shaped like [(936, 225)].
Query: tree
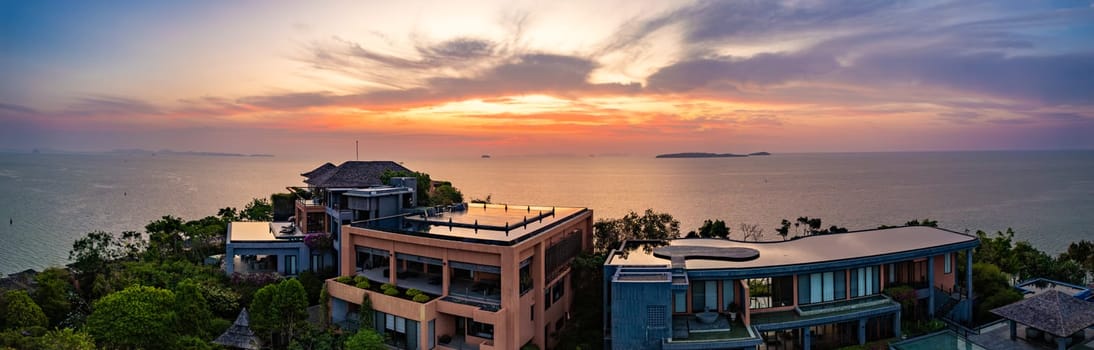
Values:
[(713, 229), (425, 184), (365, 339), (136, 317), (20, 311), (609, 233), (367, 313), (994, 288), (752, 231), (66, 339), (445, 194), (193, 310), (1082, 253), (279, 310), (228, 214), (585, 329), (52, 294), (259, 209), (784, 229)]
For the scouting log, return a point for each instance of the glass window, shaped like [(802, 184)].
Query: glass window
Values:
[(829, 292), (431, 334), (698, 296), (727, 294), (290, 264), (815, 287), (559, 290), (839, 284), (949, 264), (804, 288), (680, 301), (481, 330)]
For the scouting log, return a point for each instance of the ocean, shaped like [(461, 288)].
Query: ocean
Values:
[(1046, 196)]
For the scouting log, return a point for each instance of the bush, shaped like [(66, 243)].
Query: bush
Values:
[(421, 298), (364, 285), (391, 291), (412, 292), (387, 286), (344, 280), (360, 279)]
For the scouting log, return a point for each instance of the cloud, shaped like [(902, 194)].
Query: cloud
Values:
[(102, 105)]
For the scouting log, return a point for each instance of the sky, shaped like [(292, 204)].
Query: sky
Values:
[(446, 78)]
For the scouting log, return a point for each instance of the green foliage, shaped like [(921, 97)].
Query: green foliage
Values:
[(364, 285), (345, 280), (66, 339), (193, 310), (387, 286), (20, 311), (905, 295), (324, 305), (1081, 252), (391, 292), (165, 238), (223, 301), (279, 310), (1024, 261), (53, 292), (313, 283), (259, 209), (26, 338), (585, 329), (425, 184), (995, 290), (312, 338), (368, 314), (529, 346), (412, 292), (784, 229), (445, 194), (192, 343), (421, 298), (359, 279), (365, 339), (609, 233), (136, 317), (713, 229)]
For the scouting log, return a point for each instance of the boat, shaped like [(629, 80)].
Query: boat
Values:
[(486, 156)]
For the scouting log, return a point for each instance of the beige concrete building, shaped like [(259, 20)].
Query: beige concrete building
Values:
[(493, 276)]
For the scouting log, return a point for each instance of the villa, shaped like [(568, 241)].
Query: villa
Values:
[(281, 246), (466, 276), (823, 290)]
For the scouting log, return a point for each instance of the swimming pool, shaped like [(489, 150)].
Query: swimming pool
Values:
[(941, 340)]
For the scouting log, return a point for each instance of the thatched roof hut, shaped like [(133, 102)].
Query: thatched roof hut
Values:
[(1052, 311), (240, 335)]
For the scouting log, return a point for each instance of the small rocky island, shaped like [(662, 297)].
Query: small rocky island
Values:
[(710, 155)]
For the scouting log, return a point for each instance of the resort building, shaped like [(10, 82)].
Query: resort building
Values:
[(823, 290), (467, 276), (283, 247)]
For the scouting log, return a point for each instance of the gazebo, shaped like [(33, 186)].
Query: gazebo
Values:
[(240, 335), (1052, 312)]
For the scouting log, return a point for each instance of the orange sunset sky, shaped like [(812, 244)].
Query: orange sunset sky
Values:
[(409, 78)]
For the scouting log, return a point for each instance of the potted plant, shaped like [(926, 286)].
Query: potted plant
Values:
[(733, 309)]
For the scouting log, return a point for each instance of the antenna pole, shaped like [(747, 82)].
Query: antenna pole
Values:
[(357, 149)]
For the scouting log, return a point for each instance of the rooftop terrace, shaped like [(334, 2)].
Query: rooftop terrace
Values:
[(480, 223), (262, 232), (805, 250)]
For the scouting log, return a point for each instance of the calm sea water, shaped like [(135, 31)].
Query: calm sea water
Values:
[(1048, 197)]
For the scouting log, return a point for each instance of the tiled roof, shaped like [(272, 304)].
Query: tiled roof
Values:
[(1052, 311), (352, 174)]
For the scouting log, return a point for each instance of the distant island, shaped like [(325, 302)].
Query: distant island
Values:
[(710, 155), (144, 152)]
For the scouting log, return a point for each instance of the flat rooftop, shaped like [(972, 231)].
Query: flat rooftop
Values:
[(245, 231), (805, 250), (483, 223)]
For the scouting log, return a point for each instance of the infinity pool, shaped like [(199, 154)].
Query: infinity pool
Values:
[(945, 340)]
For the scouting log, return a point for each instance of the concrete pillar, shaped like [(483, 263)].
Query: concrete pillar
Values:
[(896, 324), (930, 286), (393, 267), (861, 331), (968, 283), (807, 338), (1013, 330), (229, 260)]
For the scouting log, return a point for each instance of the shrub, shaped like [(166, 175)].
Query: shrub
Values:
[(387, 286), (364, 285), (391, 291), (421, 298), (360, 279), (344, 279), (412, 292)]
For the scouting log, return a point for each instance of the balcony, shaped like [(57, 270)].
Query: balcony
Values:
[(310, 204), (690, 333), (823, 313), (484, 295), (395, 305)]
